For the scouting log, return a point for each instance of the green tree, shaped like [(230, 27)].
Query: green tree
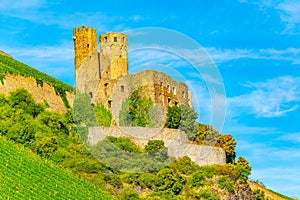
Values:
[(227, 142), (21, 99), (173, 117), (83, 111), (104, 116), (183, 118), (157, 149), (244, 167), (136, 111)]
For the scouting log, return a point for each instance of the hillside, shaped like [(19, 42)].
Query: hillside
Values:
[(41, 155), (14, 75), (24, 175)]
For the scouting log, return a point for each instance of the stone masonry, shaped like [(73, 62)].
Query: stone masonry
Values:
[(175, 140), (104, 75)]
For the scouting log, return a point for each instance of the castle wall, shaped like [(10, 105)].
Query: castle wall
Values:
[(113, 55), (47, 92), (161, 88), (86, 57), (174, 139)]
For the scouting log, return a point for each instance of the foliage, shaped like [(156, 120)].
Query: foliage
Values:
[(52, 136), (84, 115), (169, 181), (21, 99), (173, 117), (183, 118), (11, 66), (137, 111), (124, 144), (104, 116), (245, 168), (208, 195), (228, 143), (197, 179), (227, 184), (259, 194), (129, 194), (206, 135), (156, 149)]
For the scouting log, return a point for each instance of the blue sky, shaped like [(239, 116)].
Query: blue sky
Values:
[(254, 44)]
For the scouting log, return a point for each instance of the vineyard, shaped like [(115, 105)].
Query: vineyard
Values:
[(24, 175), (14, 67)]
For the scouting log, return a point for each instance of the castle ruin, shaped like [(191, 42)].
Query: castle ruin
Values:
[(103, 75)]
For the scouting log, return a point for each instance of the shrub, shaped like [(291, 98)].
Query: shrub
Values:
[(137, 111), (224, 183), (104, 116)]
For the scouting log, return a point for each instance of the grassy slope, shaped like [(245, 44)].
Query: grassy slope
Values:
[(24, 175), (11, 66)]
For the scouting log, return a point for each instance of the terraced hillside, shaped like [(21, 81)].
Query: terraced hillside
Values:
[(31, 79), (24, 175)]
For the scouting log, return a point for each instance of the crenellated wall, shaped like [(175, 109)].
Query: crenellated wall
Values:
[(47, 92), (175, 140)]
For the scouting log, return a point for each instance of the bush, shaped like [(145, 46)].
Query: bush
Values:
[(137, 111), (197, 179), (183, 118), (259, 195), (129, 194), (226, 184), (104, 116), (208, 195)]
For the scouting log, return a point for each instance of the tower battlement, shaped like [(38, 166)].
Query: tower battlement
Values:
[(113, 55), (85, 42), (104, 75)]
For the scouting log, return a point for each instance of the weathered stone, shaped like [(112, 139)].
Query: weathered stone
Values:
[(39, 94), (104, 76), (175, 140)]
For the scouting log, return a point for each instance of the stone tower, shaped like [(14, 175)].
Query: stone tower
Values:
[(113, 55), (86, 57)]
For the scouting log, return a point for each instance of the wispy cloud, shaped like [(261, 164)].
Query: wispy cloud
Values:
[(273, 98), (289, 13), (225, 55), (20, 4), (294, 137), (53, 60), (287, 10)]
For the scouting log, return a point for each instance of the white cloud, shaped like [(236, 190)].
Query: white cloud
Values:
[(294, 137), (273, 98), (287, 10), (225, 55), (20, 4), (289, 13), (56, 61)]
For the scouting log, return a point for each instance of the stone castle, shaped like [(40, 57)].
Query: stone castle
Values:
[(104, 75)]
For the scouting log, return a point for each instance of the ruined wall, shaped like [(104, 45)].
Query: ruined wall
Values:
[(161, 88), (47, 92), (175, 140)]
